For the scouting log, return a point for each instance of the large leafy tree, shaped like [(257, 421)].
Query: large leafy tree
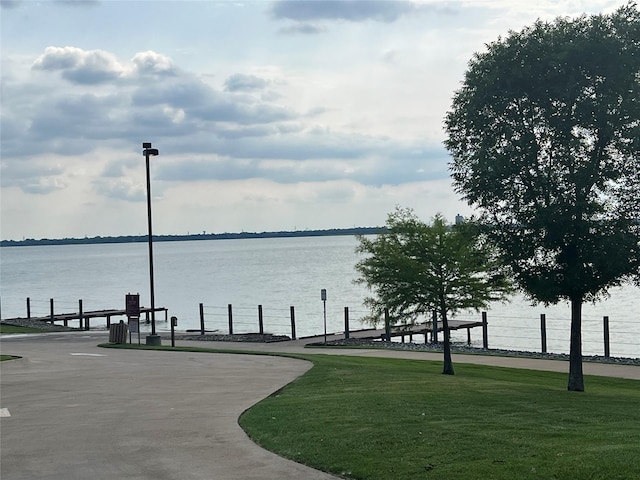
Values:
[(545, 139), (415, 268)]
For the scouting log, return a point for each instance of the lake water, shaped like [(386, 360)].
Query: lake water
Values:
[(275, 273)]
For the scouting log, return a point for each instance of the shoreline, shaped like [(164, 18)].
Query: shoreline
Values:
[(416, 347), (99, 240), (350, 343)]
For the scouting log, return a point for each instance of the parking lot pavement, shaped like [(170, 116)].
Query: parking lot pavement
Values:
[(75, 411)]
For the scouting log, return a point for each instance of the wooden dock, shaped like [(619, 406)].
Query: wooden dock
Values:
[(403, 331), (84, 318)]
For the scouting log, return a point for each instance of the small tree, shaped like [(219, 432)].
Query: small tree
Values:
[(545, 139), (416, 268)]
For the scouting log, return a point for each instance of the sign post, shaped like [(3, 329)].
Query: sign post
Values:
[(132, 309), (174, 324)]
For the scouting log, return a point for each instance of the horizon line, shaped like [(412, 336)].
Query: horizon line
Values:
[(190, 236)]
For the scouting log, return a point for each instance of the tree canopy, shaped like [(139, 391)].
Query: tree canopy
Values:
[(417, 268), (545, 139)]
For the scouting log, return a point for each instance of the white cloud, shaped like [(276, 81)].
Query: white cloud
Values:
[(241, 82), (256, 130), (152, 63), (43, 185), (80, 66), (121, 188)]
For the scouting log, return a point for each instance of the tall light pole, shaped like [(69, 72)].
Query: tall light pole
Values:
[(152, 339)]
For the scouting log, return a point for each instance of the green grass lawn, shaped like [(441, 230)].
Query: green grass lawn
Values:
[(388, 419), (13, 329)]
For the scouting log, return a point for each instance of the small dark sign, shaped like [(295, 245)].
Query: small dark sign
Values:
[(132, 305)]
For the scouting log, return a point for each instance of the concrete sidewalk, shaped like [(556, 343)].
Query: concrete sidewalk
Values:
[(298, 346), (78, 411)]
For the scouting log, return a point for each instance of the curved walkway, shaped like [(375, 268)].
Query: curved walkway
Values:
[(78, 411)]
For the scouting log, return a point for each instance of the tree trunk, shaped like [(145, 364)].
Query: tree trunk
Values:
[(447, 369), (576, 381)]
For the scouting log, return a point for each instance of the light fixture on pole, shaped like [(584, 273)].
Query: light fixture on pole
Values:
[(152, 339)]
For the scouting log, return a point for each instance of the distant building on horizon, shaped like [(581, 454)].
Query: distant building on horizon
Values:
[(459, 219)]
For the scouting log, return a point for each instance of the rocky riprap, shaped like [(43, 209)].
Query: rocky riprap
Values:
[(242, 337), (429, 347), (28, 322)]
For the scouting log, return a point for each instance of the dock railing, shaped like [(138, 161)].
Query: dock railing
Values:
[(241, 320)]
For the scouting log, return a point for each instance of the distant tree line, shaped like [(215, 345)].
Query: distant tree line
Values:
[(199, 236)]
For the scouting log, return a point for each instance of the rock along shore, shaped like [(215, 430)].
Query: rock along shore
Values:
[(350, 343), (47, 326), (458, 348)]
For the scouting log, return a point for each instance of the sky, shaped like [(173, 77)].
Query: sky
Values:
[(268, 115)]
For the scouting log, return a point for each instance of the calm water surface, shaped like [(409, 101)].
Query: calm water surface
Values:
[(275, 273)]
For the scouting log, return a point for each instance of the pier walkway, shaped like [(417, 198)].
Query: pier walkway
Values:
[(403, 331), (84, 318)]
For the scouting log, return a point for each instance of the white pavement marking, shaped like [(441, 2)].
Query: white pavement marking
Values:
[(87, 354), (4, 412)]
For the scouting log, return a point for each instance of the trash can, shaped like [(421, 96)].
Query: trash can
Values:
[(118, 332)]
